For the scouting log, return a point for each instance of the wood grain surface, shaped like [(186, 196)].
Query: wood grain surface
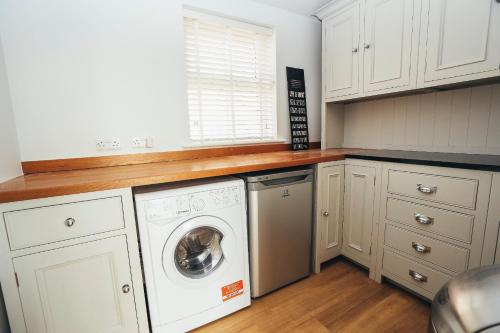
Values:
[(340, 299), (67, 164), (49, 184)]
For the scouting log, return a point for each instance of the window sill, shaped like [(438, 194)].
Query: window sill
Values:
[(220, 144)]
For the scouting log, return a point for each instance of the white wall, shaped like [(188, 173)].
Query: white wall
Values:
[(9, 151), (462, 120), (82, 70), (9, 155)]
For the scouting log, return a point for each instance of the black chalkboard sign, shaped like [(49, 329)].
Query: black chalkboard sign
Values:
[(298, 108)]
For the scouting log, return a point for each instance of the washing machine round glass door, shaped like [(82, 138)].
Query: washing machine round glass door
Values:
[(199, 252), (199, 248)]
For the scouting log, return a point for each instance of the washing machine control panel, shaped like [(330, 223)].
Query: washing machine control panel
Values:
[(194, 203)]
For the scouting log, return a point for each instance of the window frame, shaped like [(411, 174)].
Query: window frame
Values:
[(236, 22)]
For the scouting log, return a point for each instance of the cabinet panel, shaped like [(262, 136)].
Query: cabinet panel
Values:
[(332, 200), (462, 38), (491, 247), (42, 225), (388, 44), (341, 53), (358, 212), (79, 288)]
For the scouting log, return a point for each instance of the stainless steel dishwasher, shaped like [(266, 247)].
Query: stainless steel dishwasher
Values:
[(280, 227)]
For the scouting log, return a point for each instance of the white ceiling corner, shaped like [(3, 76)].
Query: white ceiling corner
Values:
[(302, 7)]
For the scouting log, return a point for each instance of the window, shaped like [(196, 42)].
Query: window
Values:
[(230, 68)]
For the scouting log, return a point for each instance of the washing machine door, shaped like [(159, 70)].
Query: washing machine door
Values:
[(199, 249)]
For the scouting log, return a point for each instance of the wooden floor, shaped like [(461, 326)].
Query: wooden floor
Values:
[(339, 299)]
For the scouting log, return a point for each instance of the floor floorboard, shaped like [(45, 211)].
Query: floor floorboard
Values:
[(339, 299)]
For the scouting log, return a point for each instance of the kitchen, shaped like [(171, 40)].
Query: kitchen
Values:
[(107, 103)]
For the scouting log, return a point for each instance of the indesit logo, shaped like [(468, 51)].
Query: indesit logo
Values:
[(285, 193)]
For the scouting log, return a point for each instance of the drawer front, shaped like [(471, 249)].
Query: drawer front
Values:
[(43, 225), (435, 251), (443, 222), (439, 188), (412, 273)]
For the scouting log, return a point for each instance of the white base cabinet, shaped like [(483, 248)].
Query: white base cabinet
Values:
[(83, 274), (329, 211), (491, 249), (361, 211), (347, 211), (432, 224)]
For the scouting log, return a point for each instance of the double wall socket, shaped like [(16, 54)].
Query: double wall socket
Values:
[(108, 144)]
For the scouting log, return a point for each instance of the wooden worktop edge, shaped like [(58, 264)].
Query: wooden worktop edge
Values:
[(101, 185), (81, 163)]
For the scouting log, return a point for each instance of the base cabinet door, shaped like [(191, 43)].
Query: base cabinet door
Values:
[(341, 53), (389, 36), (460, 38), (491, 246), (81, 288), (359, 207), (331, 212)]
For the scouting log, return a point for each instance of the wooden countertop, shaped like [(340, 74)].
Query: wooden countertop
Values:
[(49, 184)]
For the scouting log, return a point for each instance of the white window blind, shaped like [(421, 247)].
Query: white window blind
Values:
[(230, 80)]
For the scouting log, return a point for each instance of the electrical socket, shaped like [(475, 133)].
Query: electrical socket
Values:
[(108, 144), (142, 142)]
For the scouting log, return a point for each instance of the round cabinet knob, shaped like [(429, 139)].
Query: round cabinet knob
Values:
[(326, 213), (367, 46), (70, 222), (355, 50), (126, 289)]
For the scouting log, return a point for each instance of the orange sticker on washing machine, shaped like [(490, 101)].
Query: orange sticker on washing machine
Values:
[(232, 290)]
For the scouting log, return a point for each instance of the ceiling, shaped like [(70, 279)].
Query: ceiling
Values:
[(303, 7)]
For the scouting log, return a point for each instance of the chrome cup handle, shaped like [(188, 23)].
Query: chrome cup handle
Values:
[(423, 219), (426, 189), (417, 276), (421, 248)]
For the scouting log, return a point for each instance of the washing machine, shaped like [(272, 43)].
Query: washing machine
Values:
[(194, 251)]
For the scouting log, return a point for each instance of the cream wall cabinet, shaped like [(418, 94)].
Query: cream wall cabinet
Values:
[(329, 211), (81, 274), (369, 47), (390, 44), (432, 224), (460, 41), (341, 52), (491, 250), (406, 44)]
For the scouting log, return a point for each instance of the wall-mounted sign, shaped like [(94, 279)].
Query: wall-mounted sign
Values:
[(298, 108)]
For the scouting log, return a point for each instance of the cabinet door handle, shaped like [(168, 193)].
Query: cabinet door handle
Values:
[(427, 189), (367, 46), (326, 214), (355, 50), (125, 288), (420, 248), (70, 222), (424, 219), (417, 276)]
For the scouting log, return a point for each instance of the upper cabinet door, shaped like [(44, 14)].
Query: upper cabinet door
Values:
[(461, 40), (341, 53), (82, 288), (388, 45)]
